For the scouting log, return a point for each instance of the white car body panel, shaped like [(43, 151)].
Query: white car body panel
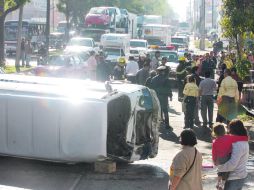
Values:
[(64, 120)]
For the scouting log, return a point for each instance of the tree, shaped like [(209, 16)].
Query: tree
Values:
[(6, 7), (237, 20)]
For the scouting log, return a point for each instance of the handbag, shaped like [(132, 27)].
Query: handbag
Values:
[(191, 164)]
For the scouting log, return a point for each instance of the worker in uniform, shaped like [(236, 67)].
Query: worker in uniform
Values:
[(181, 73), (119, 69), (161, 84)]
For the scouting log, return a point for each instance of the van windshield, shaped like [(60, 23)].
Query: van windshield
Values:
[(80, 42), (114, 52), (137, 44)]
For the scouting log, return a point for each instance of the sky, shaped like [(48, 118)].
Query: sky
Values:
[(179, 6)]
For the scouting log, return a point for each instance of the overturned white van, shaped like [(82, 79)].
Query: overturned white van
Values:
[(67, 120)]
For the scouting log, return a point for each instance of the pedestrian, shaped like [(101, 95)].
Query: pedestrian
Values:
[(28, 52), (102, 71), (155, 61), (208, 65), (222, 149), (131, 69), (185, 170), (227, 99), (213, 58), (143, 74), (190, 92), (194, 72), (235, 76), (161, 85), (164, 61), (181, 73), (92, 65), (207, 88), (119, 69), (23, 51), (141, 60), (149, 79), (237, 164)]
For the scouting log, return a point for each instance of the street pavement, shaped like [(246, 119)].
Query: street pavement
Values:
[(16, 173)]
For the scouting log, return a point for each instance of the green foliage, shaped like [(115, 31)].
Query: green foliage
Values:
[(243, 68), (237, 20)]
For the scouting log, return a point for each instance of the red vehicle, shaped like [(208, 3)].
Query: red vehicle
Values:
[(98, 16)]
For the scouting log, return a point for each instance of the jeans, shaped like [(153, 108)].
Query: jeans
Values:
[(28, 58), (23, 58), (236, 184), (207, 105)]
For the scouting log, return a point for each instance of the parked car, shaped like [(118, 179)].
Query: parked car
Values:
[(57, 40), (63, 66), (80, 44), (67, 120), (98, 16)]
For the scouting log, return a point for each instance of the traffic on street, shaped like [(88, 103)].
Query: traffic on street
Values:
[(126, 95)]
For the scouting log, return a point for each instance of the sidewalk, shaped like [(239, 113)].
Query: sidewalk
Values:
[(169, 146)]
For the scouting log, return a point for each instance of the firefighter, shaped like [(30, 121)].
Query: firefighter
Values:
[(181, 73), (119, 69)]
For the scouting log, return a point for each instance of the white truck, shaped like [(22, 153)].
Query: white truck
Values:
[(157, 34), (138, 46), (115, 46)]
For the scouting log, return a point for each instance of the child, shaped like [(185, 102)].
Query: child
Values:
[(221, 150)]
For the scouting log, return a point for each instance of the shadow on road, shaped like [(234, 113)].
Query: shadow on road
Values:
[(168, 135), (173, 111), (203, 134), (41, 175)]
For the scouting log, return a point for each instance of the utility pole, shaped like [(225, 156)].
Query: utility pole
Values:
[(47, 26), (213, 23), (18, 48), (202, 27), (53, 15)]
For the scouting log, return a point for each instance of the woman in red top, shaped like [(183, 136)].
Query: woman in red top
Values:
[(221, 149)]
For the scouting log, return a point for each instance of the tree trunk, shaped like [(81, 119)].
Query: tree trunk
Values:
[(238, 47), (18, 50), (2, 56), (68, 21)]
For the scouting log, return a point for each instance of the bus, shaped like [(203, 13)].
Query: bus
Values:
[(31, 30)]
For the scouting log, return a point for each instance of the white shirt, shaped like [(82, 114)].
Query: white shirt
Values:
[(238, 161), (132, 68)]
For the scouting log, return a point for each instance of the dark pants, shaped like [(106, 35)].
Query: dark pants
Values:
[(190, 113), (164, 108), (207, 105), (236, 184), (164, 113), (180, 86), (196, 117)]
